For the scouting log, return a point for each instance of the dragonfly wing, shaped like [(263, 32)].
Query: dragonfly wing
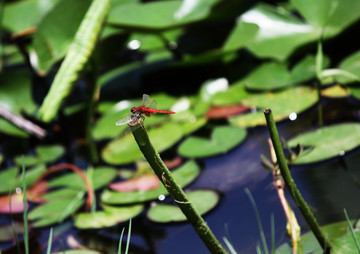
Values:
[(124, 120), (146, 100), (153, 104)]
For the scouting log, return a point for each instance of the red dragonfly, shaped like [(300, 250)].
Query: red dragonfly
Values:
[(147, 108)]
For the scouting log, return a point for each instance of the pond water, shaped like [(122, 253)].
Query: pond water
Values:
[(328, 187)]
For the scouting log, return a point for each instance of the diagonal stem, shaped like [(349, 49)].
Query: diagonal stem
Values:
[(290, 184)]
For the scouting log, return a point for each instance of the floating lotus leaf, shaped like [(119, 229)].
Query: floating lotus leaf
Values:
[(327, 142), (55, 211), (203, 200), (184, 175), (281, 103), (100, 177), (222, 140), (107, 218), (125, 150), (159, 15), (44, 154)]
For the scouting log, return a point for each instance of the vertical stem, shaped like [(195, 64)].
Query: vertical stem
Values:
[(175, 190), (26, 232), (290, 184)]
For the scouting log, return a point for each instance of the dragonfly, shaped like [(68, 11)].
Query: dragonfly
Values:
[(136, 117)]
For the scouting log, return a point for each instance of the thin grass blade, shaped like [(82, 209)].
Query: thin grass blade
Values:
[(48, 251), (258, 220), (128, 238), (352, 230), (26, 233), (120, 240)]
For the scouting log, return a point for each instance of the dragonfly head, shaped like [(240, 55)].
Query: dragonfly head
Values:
[(133, 109)]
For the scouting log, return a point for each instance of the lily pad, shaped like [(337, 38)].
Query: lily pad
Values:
[(234, 95), (222, 140), (269, 76), (282, 104), (350, 64), (203, 200), (159, 15), (10, 178), (55, 211), (125, 150), (107, 218), (44, 154), (184, 175), (327, 142), (100, 177), (225, 111)]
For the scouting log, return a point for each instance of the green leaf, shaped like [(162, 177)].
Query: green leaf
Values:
[(8, 179), (282, 104), (125, 150), (234, 95), (203, 200), (346, 244), (280, 33), (308, 243), (15, 95), (305, 69), (222, 140), (44, 154), (242, 34), (269, 76), (50, 45), (327, 142), (350, 64), (108, 218), (160, 15), (101, 176), (21, 15), (54, 211), (75, 59), (183, 175)]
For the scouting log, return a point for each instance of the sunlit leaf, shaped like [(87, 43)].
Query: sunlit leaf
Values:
[(159, 15), (203, 201), (50, 45), (30, 12), (335, 92), (351, 65), (327, 142), (222, 140), (282, 104), (234, 95), (125, 150), (183, 175), (107, 218), (242, 34)]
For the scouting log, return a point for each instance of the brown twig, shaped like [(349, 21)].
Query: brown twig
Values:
[(22, 123)]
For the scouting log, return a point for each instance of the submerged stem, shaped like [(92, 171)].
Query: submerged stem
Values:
[(290, 184), (175, 190)]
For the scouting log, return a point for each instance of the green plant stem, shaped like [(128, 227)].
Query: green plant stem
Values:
[(26, 232), (175, 190), (290, 184)]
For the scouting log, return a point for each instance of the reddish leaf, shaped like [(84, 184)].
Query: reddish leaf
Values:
[(173, 163), (36, 192), (17, 203), (142, 183), (225, 111)]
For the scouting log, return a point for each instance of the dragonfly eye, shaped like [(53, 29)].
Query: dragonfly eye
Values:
[(133, 109)]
